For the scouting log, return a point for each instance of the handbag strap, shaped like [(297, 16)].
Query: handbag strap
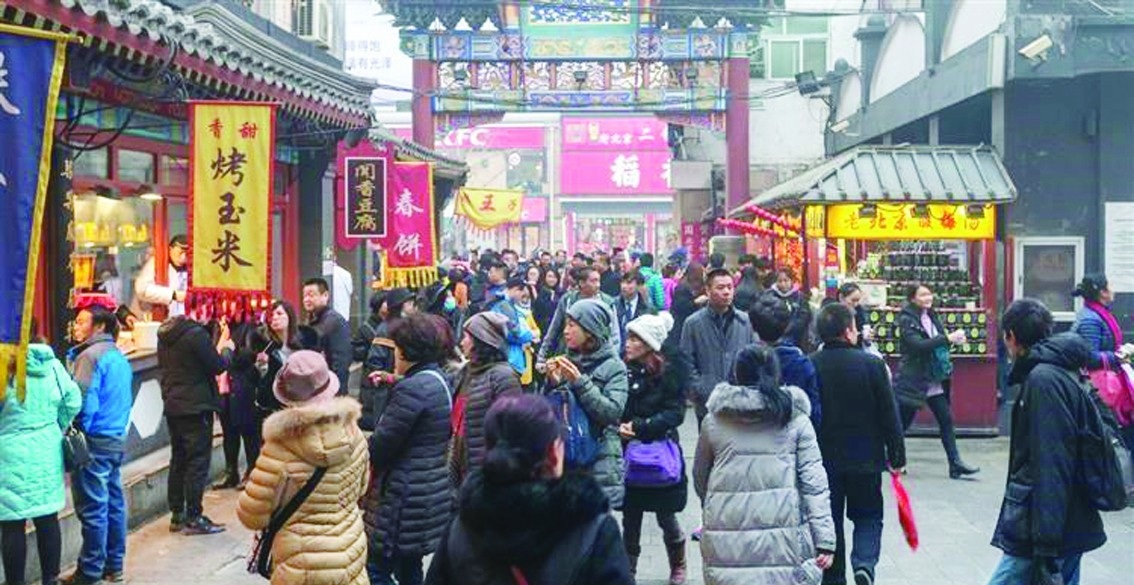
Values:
[(281, 517), (518, 575), (444, 384)]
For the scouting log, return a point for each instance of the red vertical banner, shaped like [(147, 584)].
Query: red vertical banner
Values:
[(410, 248)]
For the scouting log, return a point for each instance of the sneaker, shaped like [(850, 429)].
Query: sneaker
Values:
[(79, 578), (114, 577), (863, 577), (202, 525), (176, 522), (696, 536)]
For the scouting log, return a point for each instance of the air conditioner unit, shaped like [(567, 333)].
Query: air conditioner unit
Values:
[(312, 21)]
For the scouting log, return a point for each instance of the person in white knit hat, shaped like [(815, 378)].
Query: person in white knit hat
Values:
[(658, 374)]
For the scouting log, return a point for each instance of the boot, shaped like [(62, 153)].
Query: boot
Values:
[(231, 480), (676, 554), (957, 469)]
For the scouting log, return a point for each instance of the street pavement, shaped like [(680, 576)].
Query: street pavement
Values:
[(955, 520)]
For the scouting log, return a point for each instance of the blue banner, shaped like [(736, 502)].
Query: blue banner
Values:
[(31, 69)]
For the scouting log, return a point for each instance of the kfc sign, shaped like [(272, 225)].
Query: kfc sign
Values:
[(496, 137)]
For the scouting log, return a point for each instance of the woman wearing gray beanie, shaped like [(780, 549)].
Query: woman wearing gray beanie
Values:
[(592, 371)]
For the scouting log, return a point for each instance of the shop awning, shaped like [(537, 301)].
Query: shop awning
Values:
[(915, 174)]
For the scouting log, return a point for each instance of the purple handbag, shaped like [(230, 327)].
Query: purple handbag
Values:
[(654, 464)]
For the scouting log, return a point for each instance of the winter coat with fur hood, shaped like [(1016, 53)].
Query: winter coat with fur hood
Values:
[(767, 509), (324, 542)]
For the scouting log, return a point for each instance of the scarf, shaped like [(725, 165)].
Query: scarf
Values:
[(1111, 323)]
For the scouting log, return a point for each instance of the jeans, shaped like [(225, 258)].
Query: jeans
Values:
[(14, 548), (632, 529), (1018, 570), (100, 505), (941, 409), (859, 496), (191, 442), (399, 570)]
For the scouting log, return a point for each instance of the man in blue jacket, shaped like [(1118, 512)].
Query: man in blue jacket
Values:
[(106, 379)]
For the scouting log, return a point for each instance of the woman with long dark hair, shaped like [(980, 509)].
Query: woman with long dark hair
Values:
[(658, 373), (1096, 323), (486, 377), (925, 373), (748, 290), (545, 303), (522, 519), (688, 297), (274, 343), (760, 476), (239, 416)]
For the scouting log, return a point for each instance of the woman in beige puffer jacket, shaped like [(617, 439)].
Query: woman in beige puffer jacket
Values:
[(324, 542)]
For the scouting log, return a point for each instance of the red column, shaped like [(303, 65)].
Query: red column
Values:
[(424, 84), (736, 133)]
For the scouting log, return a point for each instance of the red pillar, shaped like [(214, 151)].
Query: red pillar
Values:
[(736, 133), (424, 84)]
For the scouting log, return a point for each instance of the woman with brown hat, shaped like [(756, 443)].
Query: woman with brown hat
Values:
[(324, 541)]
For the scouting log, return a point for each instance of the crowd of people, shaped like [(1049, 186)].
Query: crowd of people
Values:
[(505, 410)]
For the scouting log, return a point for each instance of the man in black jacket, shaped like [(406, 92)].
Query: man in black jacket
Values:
[(1046, 518), (333, 329), (859, 436), (190, 362)]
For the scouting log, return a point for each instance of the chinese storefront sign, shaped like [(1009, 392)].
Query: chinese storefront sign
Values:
[(493, 137), (31, 68), (365, 190), (901, 221), (411, 245), (615, 156), (488, 208), (231, 164)]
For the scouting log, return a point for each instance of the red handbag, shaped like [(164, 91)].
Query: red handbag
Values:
[(1116, 391)]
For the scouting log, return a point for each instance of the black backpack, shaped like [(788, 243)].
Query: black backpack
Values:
[(1105, 468)]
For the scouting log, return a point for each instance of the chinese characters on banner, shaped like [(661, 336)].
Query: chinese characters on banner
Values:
[(365, 186), (487, 208), (31, 68), (410, 247), (693, 239), (896, 221), (231, 166)]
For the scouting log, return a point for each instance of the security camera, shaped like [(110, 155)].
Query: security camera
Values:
[(1037, 49), (839, 126)]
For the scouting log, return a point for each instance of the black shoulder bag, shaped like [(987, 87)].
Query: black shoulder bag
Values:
[(260, 561)]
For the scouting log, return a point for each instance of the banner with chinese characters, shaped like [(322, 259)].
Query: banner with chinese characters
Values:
[(411, 246), (365, 190), (488, 208), (31, 69), (231, 167), (906, 221)]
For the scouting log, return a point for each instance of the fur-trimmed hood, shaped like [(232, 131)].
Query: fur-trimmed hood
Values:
[(321, 434), (747, 403)]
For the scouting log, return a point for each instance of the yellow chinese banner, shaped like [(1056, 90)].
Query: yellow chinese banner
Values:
[(488, 208), (907, 221), (231, 165)]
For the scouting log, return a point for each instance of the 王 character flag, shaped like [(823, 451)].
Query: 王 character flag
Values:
[(905, 510), (486, 209), (410, 247), (232, 159), (31, 70)]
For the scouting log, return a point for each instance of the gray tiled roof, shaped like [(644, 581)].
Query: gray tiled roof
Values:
[(212, 33), (915, 173)]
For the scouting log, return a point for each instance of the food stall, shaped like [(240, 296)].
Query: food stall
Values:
[(899, 216)]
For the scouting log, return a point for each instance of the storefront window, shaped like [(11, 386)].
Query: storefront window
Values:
[(92, 163), (176, 213), (174, 171), (112, 241), (135, 166)]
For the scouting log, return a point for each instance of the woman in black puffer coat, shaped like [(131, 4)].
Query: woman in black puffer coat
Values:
[(409, 497), (522, 520), (486, 377), (658, 374)]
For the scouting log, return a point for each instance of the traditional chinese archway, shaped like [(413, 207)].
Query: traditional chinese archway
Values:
[(686, 61)]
